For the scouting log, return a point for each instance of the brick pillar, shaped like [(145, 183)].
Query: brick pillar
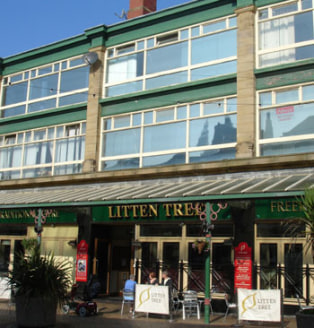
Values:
[(93, 115), (246, 87), (141, 7)]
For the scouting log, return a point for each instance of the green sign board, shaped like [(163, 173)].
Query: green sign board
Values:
[(27, 216), (158, 212), (283, 208)]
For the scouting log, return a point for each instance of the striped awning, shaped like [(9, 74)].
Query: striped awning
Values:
[(229, 186)]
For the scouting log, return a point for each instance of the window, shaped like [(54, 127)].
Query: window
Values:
[(286, 121), (45, 88), (42, 152), (165, 59), (285, 33), (191, 133)]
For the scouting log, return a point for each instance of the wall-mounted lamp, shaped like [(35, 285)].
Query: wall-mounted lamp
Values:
[(90, 58), (73, 243)]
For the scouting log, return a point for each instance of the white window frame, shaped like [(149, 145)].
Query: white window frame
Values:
[(34, 73), (21, 141), (112, 52), (187, 149), (292, 46), (259, 140)]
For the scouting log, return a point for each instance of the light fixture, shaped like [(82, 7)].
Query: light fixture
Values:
[(72, 243), (90, 58)]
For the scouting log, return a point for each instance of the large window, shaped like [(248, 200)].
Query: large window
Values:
[(191, 133), (286, 120), (286, 33), (55, 85), (42, 152), (189, 54)]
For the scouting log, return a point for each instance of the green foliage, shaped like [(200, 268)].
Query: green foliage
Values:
[(292, 227), (34, 275)]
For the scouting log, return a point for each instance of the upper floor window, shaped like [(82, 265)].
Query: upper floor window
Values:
[(189, 54), (286, 120), (51, 86), (191, 133), (285, 32), (42, 152)]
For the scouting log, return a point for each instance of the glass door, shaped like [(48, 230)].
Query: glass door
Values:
[(170, 258), (293, 269), (149, 260), (268, 265)]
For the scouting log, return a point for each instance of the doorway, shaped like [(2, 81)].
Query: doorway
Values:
[(112, 256)]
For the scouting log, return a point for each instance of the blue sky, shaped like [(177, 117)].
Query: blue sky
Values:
[(28, 24)]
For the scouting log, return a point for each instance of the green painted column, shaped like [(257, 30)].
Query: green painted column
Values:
[(39, 226), (207, 268)]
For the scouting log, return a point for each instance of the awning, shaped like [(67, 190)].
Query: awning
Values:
[(219, 187)]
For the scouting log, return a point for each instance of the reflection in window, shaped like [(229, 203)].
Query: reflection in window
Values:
[(161, 140), (287, 123), (190, 54), (38, 152), (43, 88)]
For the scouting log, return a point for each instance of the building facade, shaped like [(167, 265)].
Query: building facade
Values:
[(121, 135)]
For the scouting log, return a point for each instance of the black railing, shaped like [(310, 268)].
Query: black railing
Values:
[(293, 281)]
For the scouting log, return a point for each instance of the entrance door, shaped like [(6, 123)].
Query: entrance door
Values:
[(102, 262), (290, 272), (170, 256), (223, 272), (149, 260), (268, 271)]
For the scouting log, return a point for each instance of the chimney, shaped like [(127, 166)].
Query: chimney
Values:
[(141, 7)]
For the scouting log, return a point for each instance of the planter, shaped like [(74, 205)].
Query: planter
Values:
[(305, 319), (35, 312)]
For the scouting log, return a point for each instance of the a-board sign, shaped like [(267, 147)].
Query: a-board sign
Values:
[(152, 299), (259, 305)]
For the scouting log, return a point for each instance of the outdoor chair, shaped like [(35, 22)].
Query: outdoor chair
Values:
[(175, 301), (190, 303), (127, 298), (229, 305), (303, 307)]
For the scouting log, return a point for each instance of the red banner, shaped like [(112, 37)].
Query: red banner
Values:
[(81, 261), (243, 267)]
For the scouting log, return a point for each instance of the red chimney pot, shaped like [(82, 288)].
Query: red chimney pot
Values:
[(141, 7)]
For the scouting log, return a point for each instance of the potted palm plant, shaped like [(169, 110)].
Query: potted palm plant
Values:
[(304, 316), (39, 283)]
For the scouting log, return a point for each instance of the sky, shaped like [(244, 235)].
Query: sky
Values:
[(29, 24)]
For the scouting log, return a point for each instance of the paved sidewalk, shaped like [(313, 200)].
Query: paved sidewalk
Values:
[(109, 316)]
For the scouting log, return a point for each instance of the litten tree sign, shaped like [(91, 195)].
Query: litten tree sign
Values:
[(243, 266)]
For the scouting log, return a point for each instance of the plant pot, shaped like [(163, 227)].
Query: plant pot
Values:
[(35, 311), (200, 247), (305, 319)]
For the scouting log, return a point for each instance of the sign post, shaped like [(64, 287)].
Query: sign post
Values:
[(207, 268), (81, 261), (243, 267)]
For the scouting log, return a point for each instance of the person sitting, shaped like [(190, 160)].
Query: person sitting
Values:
[(152, 279), (129, 287)]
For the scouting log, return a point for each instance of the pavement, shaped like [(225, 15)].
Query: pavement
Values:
[(109, 316)]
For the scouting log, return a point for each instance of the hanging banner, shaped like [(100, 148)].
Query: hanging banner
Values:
[(81, 261), (243, 266), (259, 305), (152, 299)]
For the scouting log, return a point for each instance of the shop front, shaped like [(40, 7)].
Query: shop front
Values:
[(59, 234), (151, 237)]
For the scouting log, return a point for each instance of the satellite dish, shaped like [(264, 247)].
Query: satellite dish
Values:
[(90, 58)]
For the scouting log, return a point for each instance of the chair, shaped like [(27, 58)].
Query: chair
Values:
[(229, 305), (127, 298), (303, 307), (175, 301), (190, 303)]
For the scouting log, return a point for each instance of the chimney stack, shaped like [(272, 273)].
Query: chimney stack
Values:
[(141, 7)]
